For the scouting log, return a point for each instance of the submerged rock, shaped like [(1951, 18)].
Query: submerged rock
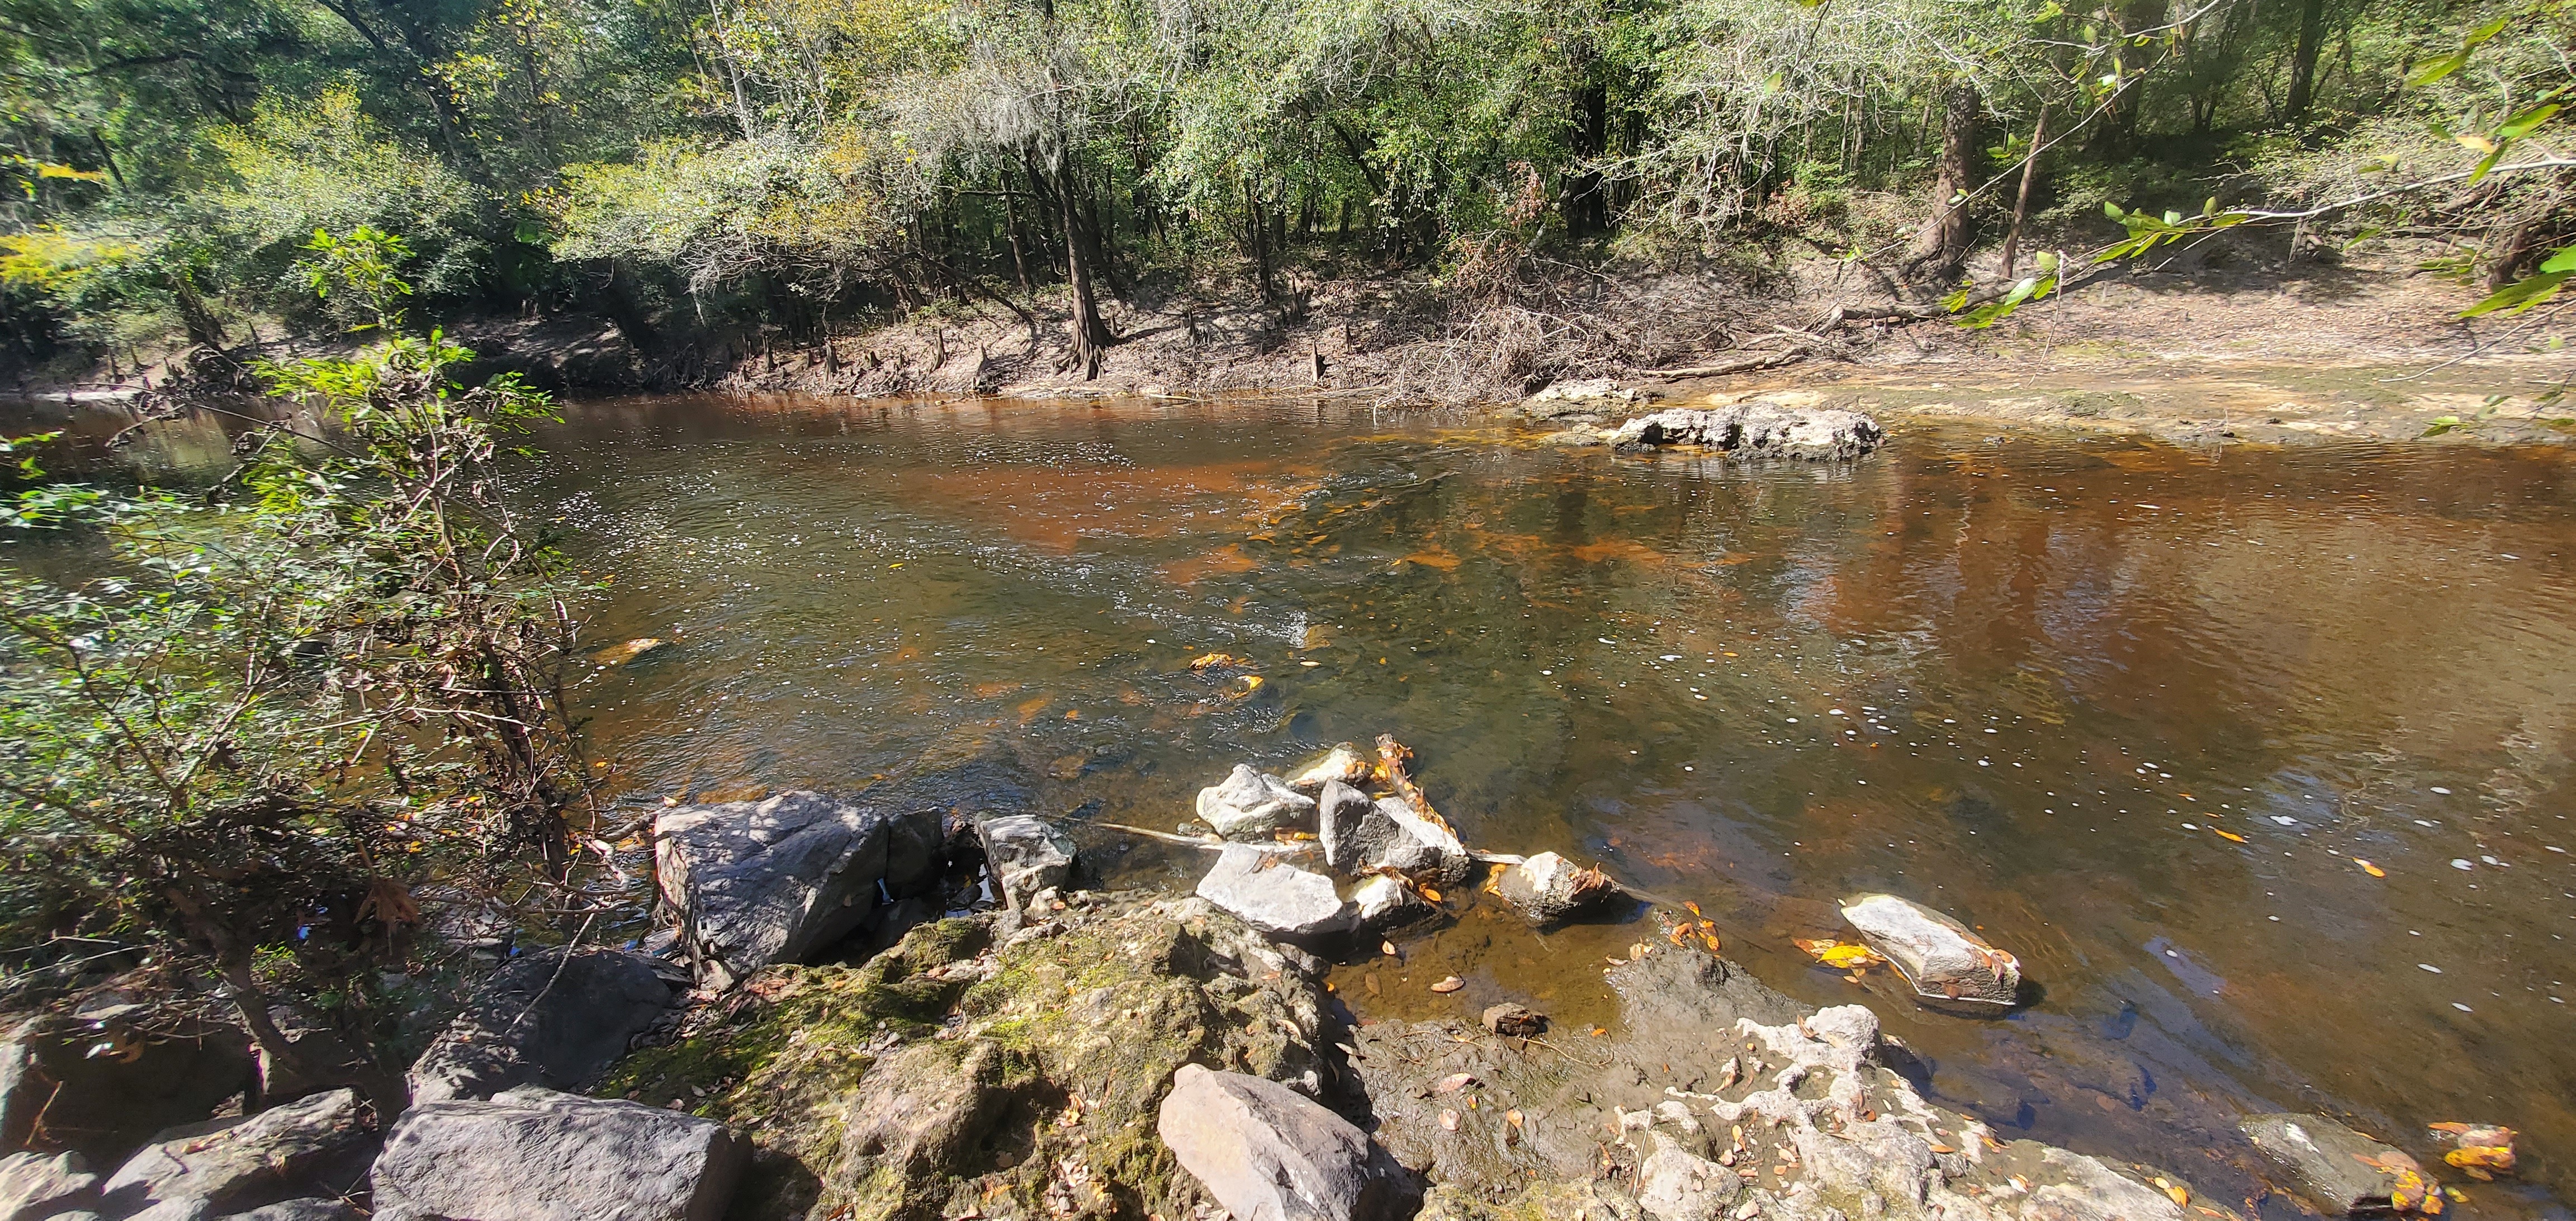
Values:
[(1941, 958), (1382, 903), (1757, 430), (1266, 1152), (1345, 764), (555, 1018), (1025, 856), (2339, 1170), (531, 1154), (1274, 896), (1251, 805), (779, 879), (36, 1185), (230, 1164), (1549, 887)]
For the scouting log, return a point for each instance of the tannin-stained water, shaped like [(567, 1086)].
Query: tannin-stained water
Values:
[(2141, 714)]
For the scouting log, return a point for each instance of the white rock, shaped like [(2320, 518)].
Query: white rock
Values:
[(1940, 957), (1249, 805)]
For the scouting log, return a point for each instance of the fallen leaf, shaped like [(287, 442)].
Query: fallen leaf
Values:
[(1387, 948), (1840, 955), (1214, 661), (1430, 895), (1512, 1117), (2368, 868), (1252, 682), (1449, 984), (1449, 1120), (1453, 1083), (2229, 836)]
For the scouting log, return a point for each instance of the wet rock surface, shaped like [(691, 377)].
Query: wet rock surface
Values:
[(1944, 960), (1025, 855), (1250, 805), (2339, 1170), (779, 879), (1274, 896), (225, 1165), (1549, 887), (531, 1154), (1757, 430), (554, 1017), (1265, 1151)]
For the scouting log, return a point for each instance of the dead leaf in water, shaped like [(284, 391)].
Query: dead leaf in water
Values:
[(1448, 985), (1218, 661), (2368, 868), (1840, 955), (2229, 836)]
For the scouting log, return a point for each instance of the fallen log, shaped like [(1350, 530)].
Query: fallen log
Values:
[(1786, 356)]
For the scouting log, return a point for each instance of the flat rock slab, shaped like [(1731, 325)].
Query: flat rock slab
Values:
[(1249, 805), (1945, 961), (555, 1018), (308, 1209), (39, 1185), (2339, 1170), (1025, 856), (780, 879), (233, 1164), (532, 1154), (1274, 896), (1268, 1153), (108, 1106)]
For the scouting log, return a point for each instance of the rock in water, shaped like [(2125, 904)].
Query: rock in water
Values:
[(2339, 1170), (231, 1164), (1344, 764), (1382, 903), (1025, 856), (1250, 805), (549, 1018), (1758, 430), (35, 1185), (1515, 1021), (1389, 835), (1549, 887), (532, 1154), (1268, 1153), (1274, 896), (1339, 811), (1940, 957), (1674, 1184), (779, 879)]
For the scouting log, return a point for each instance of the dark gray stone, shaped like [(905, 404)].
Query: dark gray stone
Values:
[(1274, 896), (531, 1154), (1758, 430), (551, 1018), (1945, 961), (106, 1106), (307, 1209), (1339, 811), (34, 1185), (1249, 805), (1549, 887), (2339, 1170), (232, 1164), (780, 879), (1391, 836), (1025, 856), (1268, 1153)]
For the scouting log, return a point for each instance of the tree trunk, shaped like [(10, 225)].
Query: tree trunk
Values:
[(2021, 201), (2303, 60), (1019, 257), (1943, 242), (1091, 337)]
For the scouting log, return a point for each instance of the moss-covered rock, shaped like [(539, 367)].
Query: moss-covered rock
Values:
[(950, 1078)]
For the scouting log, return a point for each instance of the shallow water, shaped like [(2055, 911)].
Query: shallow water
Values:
[(2137, 712)]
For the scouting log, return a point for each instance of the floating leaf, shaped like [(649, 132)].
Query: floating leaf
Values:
[(2368, 868), (2229, 836), (1841, 955), (1449, 984)]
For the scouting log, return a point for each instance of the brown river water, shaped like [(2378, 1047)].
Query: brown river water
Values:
[(2140, 713)]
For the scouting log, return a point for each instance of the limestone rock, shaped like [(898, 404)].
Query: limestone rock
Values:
[(1383, 903), (1339, 811), (780, 879), (1515, 1021), (230, 1164), (35, 1185), (306, 1209), (1250, 805), (1389, 835), (107, 1106), (1273, 895), (1944, 961), (1025, 856), (1675, 1184), (531, 1154), (2339, 1170), (1345, 764), (555, 1018), (1268, 1153), (1550, 887), (1757, 430)]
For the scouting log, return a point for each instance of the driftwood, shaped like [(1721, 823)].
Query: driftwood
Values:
[(1208, 844), (1786, 356)]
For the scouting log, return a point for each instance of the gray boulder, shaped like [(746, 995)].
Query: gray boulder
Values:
[(2339, 1170), (1757, 430), (34, 1185), (531, 1154), (552, 1018), (233, 1164), (1274, 896), (780, 879), (1268, 1153), (1389, 835), (1344, 763), (1675, 1184), (1250, 805), (1946, 962), (307, 1209), (1339, 811), (107, 1105), (1025, 856), (1382, 902), (1549, 887)]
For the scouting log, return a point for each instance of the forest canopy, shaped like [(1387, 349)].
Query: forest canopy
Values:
[(752, 168)]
